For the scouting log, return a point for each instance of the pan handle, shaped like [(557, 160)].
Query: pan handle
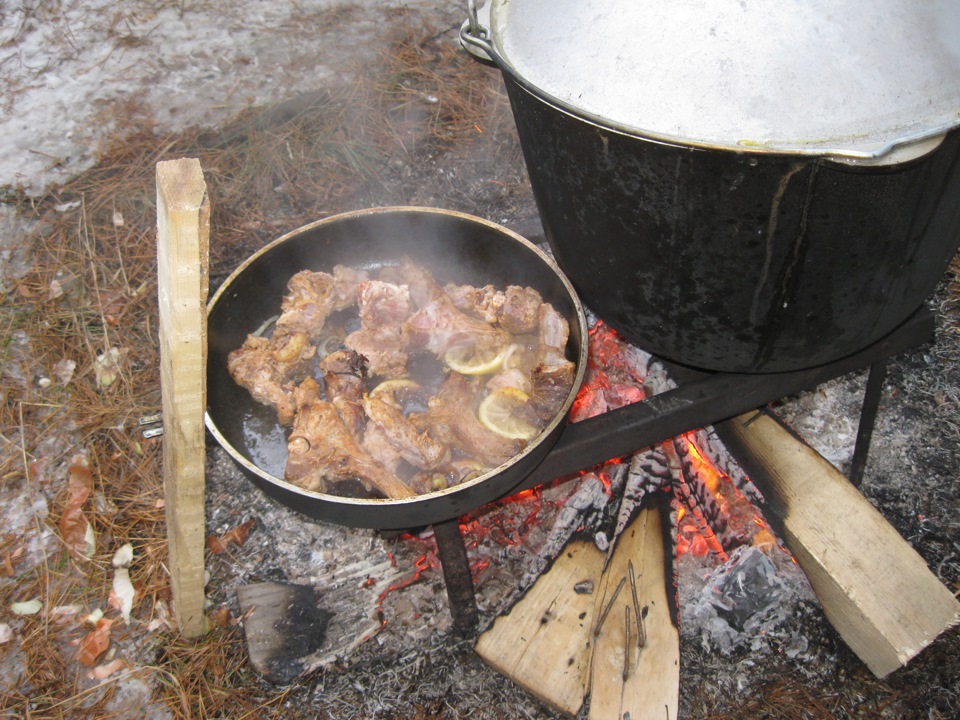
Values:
[(475, 35)]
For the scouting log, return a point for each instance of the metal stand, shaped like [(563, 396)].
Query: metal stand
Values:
[(456, 575), (868, 417), (700, 399), (704, 398)]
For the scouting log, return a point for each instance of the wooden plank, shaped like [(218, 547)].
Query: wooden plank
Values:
[(543, 643), (874, 587), (183, 248), (627, 681)]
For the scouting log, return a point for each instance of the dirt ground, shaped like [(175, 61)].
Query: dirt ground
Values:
[(393, 113)]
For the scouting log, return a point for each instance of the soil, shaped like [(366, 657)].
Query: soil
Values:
[(255, 68)]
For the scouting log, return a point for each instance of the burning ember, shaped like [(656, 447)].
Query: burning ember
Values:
[(712, 502), (714, 513)]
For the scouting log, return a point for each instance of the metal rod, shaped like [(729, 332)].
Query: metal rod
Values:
[(702, 399), (868, 417), (456, 575)]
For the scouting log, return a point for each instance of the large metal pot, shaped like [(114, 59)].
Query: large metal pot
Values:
[(744, 187), (457, 248)]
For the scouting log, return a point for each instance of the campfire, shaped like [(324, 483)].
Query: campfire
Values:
[(597, 607), (81, 368)]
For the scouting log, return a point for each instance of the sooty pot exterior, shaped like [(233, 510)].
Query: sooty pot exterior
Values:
[(738, 262)]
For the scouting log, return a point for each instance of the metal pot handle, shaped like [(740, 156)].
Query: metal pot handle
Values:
[(475, 36)]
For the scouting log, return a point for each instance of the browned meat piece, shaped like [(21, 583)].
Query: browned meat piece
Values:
[(321, 449), (345, 381), (383, 308), (484, 303), (451, 413), (553, 374), (514, 309), (265, 367), (514, 377), (521, 310), (314, 295), (554, 334), (418, 279), (344, 375), (381, 449), (414, 445), (437, 325)]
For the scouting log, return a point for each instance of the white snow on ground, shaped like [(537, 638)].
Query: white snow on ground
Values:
[(66, 66)]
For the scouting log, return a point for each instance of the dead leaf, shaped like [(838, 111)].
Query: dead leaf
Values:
[(238, 535), (12, 558), (76, 531), (64, 614), (162, 619), (79, 484), (222, 616), (216, 545), (107, 669), (28, 607), (94, 643), (107, 367), (63, 370), (111, 299)]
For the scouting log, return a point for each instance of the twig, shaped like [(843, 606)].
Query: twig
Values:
[(626, 642), (606, 610), (641, 639)]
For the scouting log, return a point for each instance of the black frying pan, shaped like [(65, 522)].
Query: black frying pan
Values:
[(457, 248)]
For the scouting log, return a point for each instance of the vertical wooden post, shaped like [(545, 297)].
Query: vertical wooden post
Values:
[(183, 248)]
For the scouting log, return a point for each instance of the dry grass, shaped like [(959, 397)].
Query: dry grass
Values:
[(92, 288)]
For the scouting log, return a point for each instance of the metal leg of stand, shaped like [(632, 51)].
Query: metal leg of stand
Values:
[(868, 416), (456, 575)]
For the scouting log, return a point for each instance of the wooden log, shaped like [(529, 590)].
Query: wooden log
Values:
[(875, 589), (629, 681), (553, 643), (543, 643), (183, 248)]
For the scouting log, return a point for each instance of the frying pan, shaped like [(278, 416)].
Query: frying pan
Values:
[(457, 248)]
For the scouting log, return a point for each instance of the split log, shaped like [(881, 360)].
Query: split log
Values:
[(874, 587), (554, 644), (183, 248), (543, 643), (635, 669)]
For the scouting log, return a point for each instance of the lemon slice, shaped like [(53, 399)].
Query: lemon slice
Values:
[(387, 391), (468, 361), (389, 387), (498, 412)]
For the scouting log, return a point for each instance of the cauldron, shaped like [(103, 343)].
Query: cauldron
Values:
[(739, 187)]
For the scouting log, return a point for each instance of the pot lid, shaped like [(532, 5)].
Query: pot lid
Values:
[(834, 77)]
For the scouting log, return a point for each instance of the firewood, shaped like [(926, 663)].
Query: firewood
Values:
[(543, 643), (627, 679), (875, 589), (183, 247), (575, 629)]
